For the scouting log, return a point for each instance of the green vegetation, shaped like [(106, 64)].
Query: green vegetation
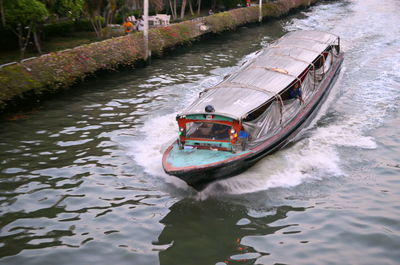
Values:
[(23, 17), (51, 72), (33, 22), (33, 27), (57, 43)]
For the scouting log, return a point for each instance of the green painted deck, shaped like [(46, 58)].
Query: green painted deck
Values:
[(196, 157)]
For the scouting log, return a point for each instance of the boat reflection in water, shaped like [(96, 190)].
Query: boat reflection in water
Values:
[(212, 231), (256, 110)]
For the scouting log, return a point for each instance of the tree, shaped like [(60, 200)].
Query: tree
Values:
[(23, 17), (3, 18), (102, 12), (158, 5), (64, 8), (198, 7), (173, 8), (183, 8), (93, 11), (111, 8), (191, 8)]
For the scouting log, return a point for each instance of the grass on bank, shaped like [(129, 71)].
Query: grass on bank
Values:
[(53, 44)]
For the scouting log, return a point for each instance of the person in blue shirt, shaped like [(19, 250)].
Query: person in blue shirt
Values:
[(242, 134), (242, 139), (295, 92)]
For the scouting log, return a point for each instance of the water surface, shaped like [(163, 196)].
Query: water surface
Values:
[(81, 180)]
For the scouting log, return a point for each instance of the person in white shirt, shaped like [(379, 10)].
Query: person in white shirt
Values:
[(140, 24)]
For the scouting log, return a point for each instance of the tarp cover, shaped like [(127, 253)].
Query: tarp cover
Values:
[(229, 101), (281, 113), (262, 78)]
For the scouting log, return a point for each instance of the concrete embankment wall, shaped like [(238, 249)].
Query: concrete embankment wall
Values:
[(52, 72)]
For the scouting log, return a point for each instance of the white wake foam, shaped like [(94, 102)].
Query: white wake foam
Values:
[(361, 99)]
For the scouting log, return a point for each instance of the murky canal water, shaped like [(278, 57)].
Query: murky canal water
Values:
[(82, 183)]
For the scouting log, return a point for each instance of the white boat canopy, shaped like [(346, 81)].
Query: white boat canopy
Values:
[(263, 77)]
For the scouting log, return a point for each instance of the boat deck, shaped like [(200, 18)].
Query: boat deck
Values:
[(198, 157)]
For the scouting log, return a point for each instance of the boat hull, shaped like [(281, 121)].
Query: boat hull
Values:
[(199, 177)]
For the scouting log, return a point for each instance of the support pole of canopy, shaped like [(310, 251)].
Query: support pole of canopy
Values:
[(146, 29), (260, 14)]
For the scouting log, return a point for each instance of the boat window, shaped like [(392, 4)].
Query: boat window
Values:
[(318, 63), (287, 94), (207, 130), (337, 49), (256, 113)]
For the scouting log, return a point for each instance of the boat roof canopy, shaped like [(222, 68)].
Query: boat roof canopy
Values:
[(262, 78)]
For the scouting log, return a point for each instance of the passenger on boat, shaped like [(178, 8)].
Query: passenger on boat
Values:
[(204, 131), (242, 140), (295, 92), (220, 132), (242, 134)]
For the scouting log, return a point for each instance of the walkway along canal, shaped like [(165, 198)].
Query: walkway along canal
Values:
[(51, 72)]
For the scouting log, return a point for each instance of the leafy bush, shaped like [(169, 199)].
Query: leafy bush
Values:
[(221, 21), (83, 25), (59, 28), (64, 27)]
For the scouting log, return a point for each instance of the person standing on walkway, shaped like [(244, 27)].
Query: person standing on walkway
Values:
[(140, 24), (128, 26)]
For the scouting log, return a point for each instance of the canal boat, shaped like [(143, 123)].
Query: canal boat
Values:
[(256, 110)]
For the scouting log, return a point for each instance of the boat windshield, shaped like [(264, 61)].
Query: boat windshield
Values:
[(208, 130)]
